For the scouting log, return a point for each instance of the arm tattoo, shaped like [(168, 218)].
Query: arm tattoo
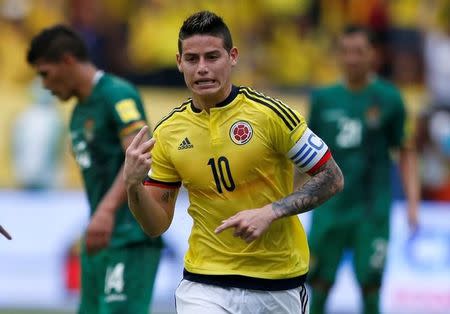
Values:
[(168, 196), (324, 184)]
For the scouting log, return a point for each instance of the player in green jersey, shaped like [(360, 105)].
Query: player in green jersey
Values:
[(119, 262), (362, 118)]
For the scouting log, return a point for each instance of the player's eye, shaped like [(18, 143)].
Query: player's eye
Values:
[(213, 57), (190, 58)]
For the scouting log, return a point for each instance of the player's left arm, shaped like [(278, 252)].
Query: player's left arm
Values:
[(402, 130), (410, 178), (98, 233), (129, 117), (323, 184), (326, 176), (311, 155)]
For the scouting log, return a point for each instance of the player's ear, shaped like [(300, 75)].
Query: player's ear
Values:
[(180, 68), (234, 54), (68, 58)]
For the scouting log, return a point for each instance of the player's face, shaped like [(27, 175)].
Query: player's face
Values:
[(355, 54), (206, 65), (57, 78)]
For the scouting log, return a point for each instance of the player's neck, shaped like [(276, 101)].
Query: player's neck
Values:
[(85, 73), (359, 84), (210, 101)]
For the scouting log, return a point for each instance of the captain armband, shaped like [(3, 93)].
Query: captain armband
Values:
[(309, 153)]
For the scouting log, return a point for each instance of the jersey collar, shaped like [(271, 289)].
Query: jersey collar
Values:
[(372, 78), (97, 76), (234, 92)]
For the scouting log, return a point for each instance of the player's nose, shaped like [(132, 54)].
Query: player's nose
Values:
[(202, 66)]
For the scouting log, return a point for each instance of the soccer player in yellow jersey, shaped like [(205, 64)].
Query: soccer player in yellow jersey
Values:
[(234, 150)]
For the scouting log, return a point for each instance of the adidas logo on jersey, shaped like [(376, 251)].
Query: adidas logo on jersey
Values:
[(185, 144)]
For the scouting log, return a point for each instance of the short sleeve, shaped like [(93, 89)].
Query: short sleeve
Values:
[(128, 113), (162, 172), (306, 150)]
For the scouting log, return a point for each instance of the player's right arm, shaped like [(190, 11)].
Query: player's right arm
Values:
[(152, 206)]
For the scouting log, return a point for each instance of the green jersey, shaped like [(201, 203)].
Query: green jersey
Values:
[(113, 110), (360, 128)]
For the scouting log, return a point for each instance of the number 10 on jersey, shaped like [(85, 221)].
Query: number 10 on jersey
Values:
[(221, 172)]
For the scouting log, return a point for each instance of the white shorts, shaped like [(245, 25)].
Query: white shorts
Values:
[(197, 298)]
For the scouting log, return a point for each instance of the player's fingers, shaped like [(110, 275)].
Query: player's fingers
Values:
[(248, 232), (89, 245), (228, 223), (92, 249), (238, 232), (144, 157), (147, 145), (250, 238), (234, 217), (5, 233), (95, 243), (102, 242), (138, 138)]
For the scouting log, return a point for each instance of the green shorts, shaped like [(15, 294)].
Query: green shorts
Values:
[(119, 280), (367, 239)]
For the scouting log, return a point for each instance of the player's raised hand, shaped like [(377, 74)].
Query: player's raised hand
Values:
[(249, 224), (138, 158), (5, 233)]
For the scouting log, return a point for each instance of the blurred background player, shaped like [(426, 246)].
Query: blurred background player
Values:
[(361, 118), (119, 261), (260, 265), (38, 132)]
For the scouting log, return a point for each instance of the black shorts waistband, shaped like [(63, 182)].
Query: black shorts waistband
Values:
[(244, 282)]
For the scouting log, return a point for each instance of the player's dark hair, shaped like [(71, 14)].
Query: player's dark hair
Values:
[(53, 42), (359, 29), (205, 23)]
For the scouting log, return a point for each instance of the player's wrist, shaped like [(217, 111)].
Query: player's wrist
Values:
[(271, 214), (132, 183), (109, 205)]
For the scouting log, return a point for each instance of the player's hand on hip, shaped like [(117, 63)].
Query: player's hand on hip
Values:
[(138, 158), (5, 233), (99, 230), (249, 224)]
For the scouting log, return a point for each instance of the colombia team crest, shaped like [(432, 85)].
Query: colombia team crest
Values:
[(241, 132)]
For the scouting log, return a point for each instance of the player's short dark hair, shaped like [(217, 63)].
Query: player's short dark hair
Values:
[(205, 23), (53, 42), (353, 29)]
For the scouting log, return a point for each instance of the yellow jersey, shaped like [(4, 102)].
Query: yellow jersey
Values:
[(238, 156)]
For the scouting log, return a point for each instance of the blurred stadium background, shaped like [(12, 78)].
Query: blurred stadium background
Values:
[(286, 49)]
